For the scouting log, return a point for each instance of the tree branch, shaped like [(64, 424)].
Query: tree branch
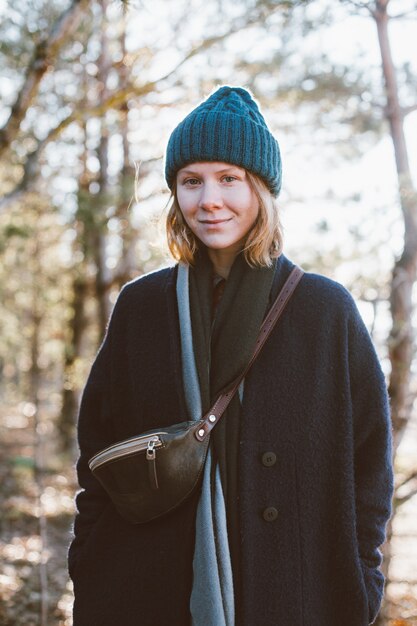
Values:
[(398, 502), (405, 14), (410, 109), (407, 479), (43, 59), (360, 5), (115, 101)]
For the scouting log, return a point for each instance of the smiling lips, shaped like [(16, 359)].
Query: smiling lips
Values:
[(214, 222)]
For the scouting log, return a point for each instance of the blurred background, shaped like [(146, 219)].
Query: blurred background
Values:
[(89, 92)]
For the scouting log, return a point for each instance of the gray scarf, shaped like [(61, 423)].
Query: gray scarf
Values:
[(234, 331)]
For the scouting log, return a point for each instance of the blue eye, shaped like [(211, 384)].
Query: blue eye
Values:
[(191, 181), (229, 179)]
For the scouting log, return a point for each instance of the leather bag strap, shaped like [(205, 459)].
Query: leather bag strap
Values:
[(213, 415)]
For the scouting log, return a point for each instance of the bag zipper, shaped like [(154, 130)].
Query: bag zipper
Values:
[(151, 458), (129, 446)]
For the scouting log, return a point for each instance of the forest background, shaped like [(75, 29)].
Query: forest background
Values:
[(89, 92)]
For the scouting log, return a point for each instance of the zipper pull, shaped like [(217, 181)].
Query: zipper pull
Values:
[(151, 457)]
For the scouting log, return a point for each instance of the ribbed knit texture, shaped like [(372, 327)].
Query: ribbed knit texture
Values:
[(228, 127)]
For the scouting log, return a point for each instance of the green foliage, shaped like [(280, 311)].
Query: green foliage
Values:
[(23, 462), (13, 230)]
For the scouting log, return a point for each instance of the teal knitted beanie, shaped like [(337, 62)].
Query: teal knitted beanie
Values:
[(228, 127)]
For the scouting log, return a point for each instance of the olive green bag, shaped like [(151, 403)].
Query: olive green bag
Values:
[(149, 475)]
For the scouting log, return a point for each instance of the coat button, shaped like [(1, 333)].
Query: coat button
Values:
[(269, 459), (270, 514)]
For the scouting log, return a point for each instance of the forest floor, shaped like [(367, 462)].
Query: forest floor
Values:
[(36, 516)]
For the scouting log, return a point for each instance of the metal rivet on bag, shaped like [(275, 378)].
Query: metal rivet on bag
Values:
[(212, 418), (201, 432)]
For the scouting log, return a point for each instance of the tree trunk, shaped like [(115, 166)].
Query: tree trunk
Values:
[(39, 434), (100, 221), (404, 273), (79, 288), (66, 424), (126, 264), (400, 342)]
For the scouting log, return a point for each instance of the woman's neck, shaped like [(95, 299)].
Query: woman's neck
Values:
[(223, 260)]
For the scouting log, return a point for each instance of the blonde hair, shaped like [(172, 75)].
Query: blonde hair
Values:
[(264, 241)]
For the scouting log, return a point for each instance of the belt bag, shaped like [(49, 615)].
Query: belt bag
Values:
[(149, 475)]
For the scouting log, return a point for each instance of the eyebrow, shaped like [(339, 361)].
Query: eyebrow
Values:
[(226, 169)]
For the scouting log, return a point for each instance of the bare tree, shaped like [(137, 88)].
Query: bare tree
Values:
[(116, 99), (102, 198), (404, 272), (125, 266), (44, 57), (401, 338)]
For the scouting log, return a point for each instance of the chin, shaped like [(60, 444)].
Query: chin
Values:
[(218, 242)]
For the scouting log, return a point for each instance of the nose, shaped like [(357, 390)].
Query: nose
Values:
[(210, 197)]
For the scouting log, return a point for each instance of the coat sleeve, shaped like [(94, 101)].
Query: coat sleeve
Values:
[(373, 455), (94, 434)]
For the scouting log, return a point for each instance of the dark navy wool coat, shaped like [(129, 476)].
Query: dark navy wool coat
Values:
[(316, 398)]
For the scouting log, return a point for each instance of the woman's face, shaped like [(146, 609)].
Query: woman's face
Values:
[(217, 203)]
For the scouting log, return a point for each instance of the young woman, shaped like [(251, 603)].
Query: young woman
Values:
[(297, 487)]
